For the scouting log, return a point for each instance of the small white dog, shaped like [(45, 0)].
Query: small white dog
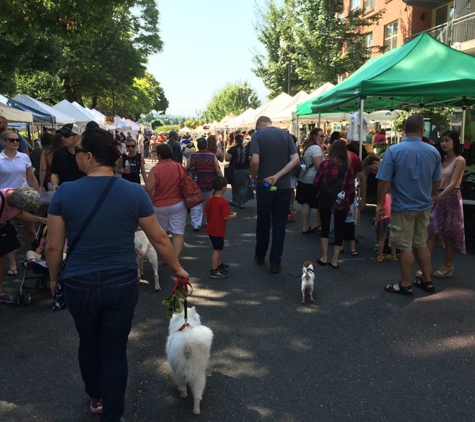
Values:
[(188, 351), (308, 279), (144, 249)]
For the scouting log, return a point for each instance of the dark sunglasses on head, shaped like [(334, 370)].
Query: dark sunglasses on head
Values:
[(130, 146), (12, 140), (78, 149)]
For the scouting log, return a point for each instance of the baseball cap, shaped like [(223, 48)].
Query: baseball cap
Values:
[(92, 125), (69, 129)]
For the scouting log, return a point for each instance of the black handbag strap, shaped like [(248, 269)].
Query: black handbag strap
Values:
[(91, 215), (3, 203)]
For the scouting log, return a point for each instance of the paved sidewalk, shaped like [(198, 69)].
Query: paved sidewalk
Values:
[(357, 354)]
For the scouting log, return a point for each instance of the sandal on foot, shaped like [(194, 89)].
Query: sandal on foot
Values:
[(354, 253), (401, 290), (447, 273), (12, 271), (322, 263), (427, 286), (335, 267)]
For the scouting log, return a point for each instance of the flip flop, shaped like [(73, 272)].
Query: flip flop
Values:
[(322, 263), (335, 267), (12, 272)]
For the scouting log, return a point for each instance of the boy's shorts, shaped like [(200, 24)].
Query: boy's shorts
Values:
[(408, 229), (217, 242)]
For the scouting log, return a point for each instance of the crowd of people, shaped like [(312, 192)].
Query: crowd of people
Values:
[(419, 206)]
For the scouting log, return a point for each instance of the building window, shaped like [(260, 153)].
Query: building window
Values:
[(368, 5), (369, 40), (355, 4), (390, 35)]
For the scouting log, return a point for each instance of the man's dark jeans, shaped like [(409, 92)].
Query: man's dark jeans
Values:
[(102, 305), (272, 207)]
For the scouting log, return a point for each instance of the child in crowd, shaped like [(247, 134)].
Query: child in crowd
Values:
[(349, 230), (217, 213), (382, 228), (37, 255)]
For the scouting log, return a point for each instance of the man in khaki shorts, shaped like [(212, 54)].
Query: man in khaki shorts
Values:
[(412, 171)]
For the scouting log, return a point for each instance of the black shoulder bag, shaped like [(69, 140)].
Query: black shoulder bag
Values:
[(8, 234)]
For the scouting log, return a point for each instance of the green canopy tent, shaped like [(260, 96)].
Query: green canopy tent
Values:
[(420, 74)]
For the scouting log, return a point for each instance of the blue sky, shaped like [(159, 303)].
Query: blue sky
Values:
[(207, 44)]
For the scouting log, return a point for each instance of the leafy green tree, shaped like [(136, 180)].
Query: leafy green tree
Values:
[(235, 98), (156, 123), (144, 95), (191, 123), (95, 49), (441, 117), (306, 42)]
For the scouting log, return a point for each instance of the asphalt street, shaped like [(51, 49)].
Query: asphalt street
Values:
[(357, 354)]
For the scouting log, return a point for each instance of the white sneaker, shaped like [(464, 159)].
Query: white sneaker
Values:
[(6, 297), (196, 228)]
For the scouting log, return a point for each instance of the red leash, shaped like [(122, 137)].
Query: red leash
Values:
[(187, 289)]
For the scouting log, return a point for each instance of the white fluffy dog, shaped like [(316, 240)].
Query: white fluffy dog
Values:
[(144, 249), (188, 351), (308, 280)]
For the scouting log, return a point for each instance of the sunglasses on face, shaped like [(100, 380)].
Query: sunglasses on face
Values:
[(12, 140), (78, 149), (69, 136), (130, 146)]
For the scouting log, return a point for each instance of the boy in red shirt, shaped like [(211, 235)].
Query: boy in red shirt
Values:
[(217, 212)]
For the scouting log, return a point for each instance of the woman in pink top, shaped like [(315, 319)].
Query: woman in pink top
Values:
[(17, 203), (163, 186), (380, 137), (446, 226)]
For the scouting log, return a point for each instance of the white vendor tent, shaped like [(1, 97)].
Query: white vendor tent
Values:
[(14, 115), (185, 130), (75, 110), (267, 109), (239, 121), (283, 117), (58, 117)]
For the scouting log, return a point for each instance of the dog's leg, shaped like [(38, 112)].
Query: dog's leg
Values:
[(157, 283), (180, 381), (310, 292), (303, 293), (197, 388)]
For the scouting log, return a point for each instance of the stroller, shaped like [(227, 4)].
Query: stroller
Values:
[(36, 266), (35, 262)]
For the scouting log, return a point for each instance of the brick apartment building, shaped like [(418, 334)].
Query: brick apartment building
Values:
[(452, 23)]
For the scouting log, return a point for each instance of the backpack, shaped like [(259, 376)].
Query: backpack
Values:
[(329, 190), (300, 169)]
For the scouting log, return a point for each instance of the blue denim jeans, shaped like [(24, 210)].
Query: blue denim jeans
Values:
[(272, 207), (102, 304)]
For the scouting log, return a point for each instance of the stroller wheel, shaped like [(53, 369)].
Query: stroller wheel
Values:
[(28, 298), (18, 298)]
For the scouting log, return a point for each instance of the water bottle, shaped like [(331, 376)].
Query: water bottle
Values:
[(127, 166), (340, 197)]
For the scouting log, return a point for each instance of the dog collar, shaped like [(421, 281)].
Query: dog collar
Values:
[(184, 326)]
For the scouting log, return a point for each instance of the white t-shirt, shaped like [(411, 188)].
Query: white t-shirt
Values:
[(310, 153), (13, 170)]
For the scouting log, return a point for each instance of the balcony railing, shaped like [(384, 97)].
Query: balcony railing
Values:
[(458, 30)]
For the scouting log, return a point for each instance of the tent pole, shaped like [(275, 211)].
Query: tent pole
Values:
[(462, 129), (319, 118), (361, 126)]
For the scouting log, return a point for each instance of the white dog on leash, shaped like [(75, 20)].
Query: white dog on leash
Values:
[(188, 351), (308, 280), (144, 249)]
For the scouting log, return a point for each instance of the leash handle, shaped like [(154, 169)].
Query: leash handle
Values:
[(185, 284)]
